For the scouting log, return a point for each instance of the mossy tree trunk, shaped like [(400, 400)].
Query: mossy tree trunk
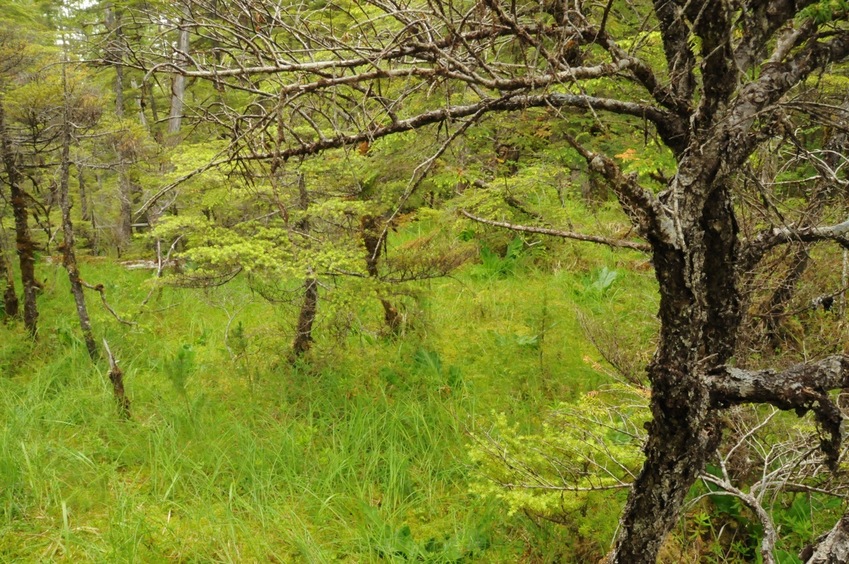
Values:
[(10, 296), (309, 306), (23, 239)]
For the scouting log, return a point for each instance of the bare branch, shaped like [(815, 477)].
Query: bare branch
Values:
[(644, 247), (755, 249), (642, 206), (833, 547), (100, 290), (770, 534)]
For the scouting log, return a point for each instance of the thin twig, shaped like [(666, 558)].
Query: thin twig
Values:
[(99, 289)]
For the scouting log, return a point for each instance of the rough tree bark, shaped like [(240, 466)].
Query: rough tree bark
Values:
[(309, 306), (23, 239), (306, 317), (10, 296)]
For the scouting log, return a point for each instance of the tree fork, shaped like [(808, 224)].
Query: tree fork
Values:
[(374, 243)]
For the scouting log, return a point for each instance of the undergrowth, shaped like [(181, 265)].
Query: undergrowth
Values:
[(356, 453)]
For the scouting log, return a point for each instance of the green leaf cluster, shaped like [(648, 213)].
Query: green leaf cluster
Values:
[(585, 448)]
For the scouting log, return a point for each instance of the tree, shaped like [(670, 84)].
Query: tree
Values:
[(69, 256), (17, 54), (178, 84), (709, 83), (10, 296)]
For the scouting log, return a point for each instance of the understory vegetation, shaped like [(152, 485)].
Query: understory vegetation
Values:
[(375, 447), (234, 454)]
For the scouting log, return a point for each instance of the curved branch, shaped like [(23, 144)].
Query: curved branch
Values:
[(642, 206), (770, 535), (643, 73), (680, 61), (756, 248), (802, 388), (774, 81), (760, 20), (673, 130), (644, 247)]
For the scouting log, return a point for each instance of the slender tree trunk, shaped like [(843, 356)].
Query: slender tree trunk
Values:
[(23, 240), (178, 83), (154, 111), (10, 296), (140, 103), (95, 237), (69, 257), (306, 317), (84, 207), (116, 376), (372, 242), (125, 197), (114, 56)]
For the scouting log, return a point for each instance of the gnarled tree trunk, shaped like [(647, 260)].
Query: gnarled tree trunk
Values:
[(23, 239)]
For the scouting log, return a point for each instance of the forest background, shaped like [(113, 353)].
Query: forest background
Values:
[(267, 301)]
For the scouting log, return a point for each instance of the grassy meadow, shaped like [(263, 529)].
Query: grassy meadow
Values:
[(357, 453)]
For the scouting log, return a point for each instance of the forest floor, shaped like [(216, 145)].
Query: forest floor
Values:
[(358, 452)]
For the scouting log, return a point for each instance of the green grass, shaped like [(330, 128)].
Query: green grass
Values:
[(357, 454)]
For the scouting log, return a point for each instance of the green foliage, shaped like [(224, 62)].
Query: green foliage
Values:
[(358, 452), (582, 455), (494, 265), (358, 455), (602, 283), (825, 11), (180, 367)]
